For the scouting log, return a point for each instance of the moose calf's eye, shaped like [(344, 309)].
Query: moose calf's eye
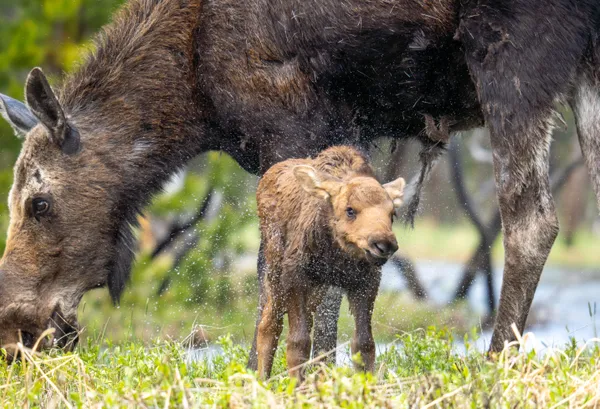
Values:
[(350, 213), (39, 207)]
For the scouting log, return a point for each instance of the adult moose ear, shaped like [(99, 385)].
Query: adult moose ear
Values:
[(316, 183), (45, 106), (395, 190), (18, 116)]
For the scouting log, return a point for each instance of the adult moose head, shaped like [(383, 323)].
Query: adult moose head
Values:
[(83, 171), (266, 80), (49, 229)]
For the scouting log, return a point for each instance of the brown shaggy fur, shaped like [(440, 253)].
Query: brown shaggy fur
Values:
[(324, 222)]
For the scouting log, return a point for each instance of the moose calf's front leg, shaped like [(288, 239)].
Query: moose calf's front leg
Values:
[(298, 343), (361, 305)]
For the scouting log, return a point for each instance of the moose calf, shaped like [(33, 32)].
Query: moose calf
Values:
[(324, 222)]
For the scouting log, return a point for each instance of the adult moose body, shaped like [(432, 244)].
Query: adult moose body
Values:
[(265, 80)]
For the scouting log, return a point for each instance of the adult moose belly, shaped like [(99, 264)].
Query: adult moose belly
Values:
[(403, 80)]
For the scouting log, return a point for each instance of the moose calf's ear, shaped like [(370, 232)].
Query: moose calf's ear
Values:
[(395, 190), (310, 181), (18, 116), (45, 106)]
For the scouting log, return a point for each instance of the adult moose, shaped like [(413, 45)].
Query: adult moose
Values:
[(265, 80)]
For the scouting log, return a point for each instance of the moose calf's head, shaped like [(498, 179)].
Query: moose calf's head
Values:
[(65, 235), (362, 211)]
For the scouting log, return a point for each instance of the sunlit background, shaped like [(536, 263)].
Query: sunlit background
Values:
[(196, 267)]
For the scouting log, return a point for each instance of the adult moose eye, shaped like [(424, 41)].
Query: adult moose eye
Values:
[(39, 207), (350, 213)]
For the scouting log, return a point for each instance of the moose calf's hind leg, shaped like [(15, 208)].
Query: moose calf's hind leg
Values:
[(268, 333), (262, 298), (298, 343)]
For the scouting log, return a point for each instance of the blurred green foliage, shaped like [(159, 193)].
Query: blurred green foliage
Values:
[(46, 33), (203, 277)]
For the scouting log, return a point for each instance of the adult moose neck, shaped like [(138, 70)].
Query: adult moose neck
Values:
[(134, 103), (133, 99)]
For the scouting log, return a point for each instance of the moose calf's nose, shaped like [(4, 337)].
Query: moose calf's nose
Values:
[(384, 248)]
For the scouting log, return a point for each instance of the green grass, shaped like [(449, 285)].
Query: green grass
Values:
[(421, 369), (168, 318)]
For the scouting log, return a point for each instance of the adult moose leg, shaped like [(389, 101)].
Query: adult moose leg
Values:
[(521, 58), (528, 217), (586, 106), (326, 324)]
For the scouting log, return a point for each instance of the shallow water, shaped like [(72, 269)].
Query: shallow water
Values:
[(560, 307)]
